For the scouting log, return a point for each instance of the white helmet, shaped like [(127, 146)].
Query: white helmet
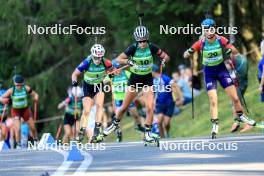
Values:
[(97, 50), (77, 91), (141, 33)]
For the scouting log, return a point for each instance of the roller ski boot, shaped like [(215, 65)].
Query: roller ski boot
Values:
[(215, 127), (18, 146), (249, 123), (81, 135), (149, 139), (140, 128), (97, 137), (114, 126)]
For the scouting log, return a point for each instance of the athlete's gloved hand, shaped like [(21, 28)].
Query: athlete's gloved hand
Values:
[(5, 100), (131, 63), (111, 75), (74, 83), (163, 62), (188, 53), (190, 50), (228, 51)]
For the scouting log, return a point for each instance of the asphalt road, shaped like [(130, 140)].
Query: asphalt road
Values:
[(229, 155)]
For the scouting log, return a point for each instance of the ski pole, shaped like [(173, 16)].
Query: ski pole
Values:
[(75, 115), (140, 16), (58, 132), (236, 74), (159, 85), (191, 61), (3, 113), (121, 68), (35, 111)]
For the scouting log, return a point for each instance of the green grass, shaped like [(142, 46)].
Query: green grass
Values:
[(183, 125)]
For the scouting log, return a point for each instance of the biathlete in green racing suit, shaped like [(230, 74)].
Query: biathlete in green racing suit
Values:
[(72, 112), (118, 82), (94, 68), (18, 94), (141, 62)]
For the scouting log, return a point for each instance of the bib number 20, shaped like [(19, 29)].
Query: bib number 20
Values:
[(212, 54)]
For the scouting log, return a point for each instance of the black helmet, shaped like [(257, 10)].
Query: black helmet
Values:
[(19, 79)]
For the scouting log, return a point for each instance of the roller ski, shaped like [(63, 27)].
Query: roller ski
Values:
[(249, 124), (97, 137), (149, 139), (119, 136), (140, 128), (81, 135), (113, 127), (215, 127)]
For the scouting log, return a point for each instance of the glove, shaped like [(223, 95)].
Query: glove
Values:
[(190, 51), (111, 75), (131, 63), (228, 51), (163, 62), (5, 100), (74, 83)]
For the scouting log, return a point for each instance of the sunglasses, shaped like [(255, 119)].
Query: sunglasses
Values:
[(143, 41)]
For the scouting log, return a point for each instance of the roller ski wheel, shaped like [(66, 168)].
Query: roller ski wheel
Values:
[(214, 128), (97, 138), (154, 142), (155, 136), (119, 136), (213, 135)]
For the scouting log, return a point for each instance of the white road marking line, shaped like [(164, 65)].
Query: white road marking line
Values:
[(27, 168), (84, 165), (64, 166)]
